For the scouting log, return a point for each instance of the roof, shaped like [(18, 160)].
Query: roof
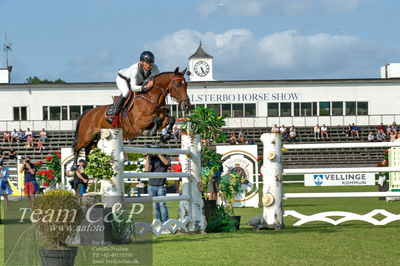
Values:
[(200, 53)]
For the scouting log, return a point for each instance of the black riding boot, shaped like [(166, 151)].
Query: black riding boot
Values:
[(114, 109)]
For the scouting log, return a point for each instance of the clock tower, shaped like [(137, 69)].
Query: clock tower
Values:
[(200, 65)]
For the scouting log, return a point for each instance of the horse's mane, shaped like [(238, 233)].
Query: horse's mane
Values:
[(169, 72)]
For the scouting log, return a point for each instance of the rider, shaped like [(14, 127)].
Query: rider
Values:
[(138, 78)]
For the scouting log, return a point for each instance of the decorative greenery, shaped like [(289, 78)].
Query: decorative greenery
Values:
[(56, 214), (99, 166), (229, 186), (384, 163), (206, 123), (52, 173), (221, 221), (122, 227)]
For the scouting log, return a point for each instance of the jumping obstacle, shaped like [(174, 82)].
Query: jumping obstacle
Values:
[(273, 195), (191, 204)]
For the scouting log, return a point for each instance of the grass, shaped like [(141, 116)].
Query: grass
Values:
[(318, 243)]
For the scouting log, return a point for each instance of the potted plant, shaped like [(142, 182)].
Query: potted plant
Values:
[(229, 186), (100, 167), (56, 215), (208, 124), (123, 228), (221, 221)]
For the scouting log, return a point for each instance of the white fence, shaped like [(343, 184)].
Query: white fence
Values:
[(191, 204), (273, 195)]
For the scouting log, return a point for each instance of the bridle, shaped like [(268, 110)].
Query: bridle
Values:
[(165, 92)]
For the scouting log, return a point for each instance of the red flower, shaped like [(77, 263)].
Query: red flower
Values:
[(258, 158), (50, 177), (386, 151), (40, 162), (261, 175), (59, 156), (51, 171), (48, 158), (46, 184)]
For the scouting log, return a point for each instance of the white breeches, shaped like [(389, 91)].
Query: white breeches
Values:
[(123, 86)]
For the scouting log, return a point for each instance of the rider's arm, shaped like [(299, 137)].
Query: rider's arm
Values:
[(147, 167)]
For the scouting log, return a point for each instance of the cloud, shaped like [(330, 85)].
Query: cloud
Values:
[(238, 54), (274, 7)]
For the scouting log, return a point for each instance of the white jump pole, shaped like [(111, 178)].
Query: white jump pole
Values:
[(192, 164), (272, 180), (111, 143)]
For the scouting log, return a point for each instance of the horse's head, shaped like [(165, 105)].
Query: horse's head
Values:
[(178, 90)]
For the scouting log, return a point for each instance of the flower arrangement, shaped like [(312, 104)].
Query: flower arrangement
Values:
[(384, 163), (52, 173), (230, 185)]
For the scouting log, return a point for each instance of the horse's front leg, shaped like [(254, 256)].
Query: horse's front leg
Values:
[(156, 125), (168, 122)]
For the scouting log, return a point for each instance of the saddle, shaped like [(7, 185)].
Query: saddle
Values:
[(127, 106)]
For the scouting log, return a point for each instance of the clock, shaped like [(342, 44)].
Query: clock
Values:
[(201, 68)]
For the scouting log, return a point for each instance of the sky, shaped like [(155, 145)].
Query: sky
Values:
[(90, 40)]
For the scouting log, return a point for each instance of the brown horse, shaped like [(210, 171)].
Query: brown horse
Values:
[(148, 112)]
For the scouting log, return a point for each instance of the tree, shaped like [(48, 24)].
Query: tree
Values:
[(36, 80)]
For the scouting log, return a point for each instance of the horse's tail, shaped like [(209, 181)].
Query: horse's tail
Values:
[(78, 122)]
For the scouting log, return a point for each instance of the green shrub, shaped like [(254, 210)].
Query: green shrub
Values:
[(220, 221)]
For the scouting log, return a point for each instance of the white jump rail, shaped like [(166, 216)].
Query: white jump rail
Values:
[(273, 195), (191, 204)]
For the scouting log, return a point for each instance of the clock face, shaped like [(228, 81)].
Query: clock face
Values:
[(201, 68)]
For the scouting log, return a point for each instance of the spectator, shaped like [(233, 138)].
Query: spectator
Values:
[(233, 139), (28, 132), (21, 135), (14, 136), (12, 155), (317, 132), (6, 137), (5, 188), (2, 155), (354, 130), (284, 132), (251, 142), (392, 136), (380, 127), (240, 134), (29, 170), (275, 129), (29, 140), (371, 137), (292, 134), (324, 131), (398, 134), (157, 186), (347, 130), (175, 132), (43, 135), (388, 130), (242, 140), (381, 136), (40, 145), (394, 127), (81, 180)]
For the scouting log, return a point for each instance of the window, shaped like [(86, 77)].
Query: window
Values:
[(215, 107), (250, 110), (324, 108), (19, 113), (87, 107), (237, 110), (64, 112), (273, 109), (226, 110), (296, 109), (305, 109), (45, 113), (362, 108), (314, 108), (55, 112), (74, 112), (286, 109), (350, 108), (337, 108)]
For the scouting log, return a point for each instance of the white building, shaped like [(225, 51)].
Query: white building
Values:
[(245, 103)]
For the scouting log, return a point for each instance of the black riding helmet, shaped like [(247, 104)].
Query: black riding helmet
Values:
[(147, 57)]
